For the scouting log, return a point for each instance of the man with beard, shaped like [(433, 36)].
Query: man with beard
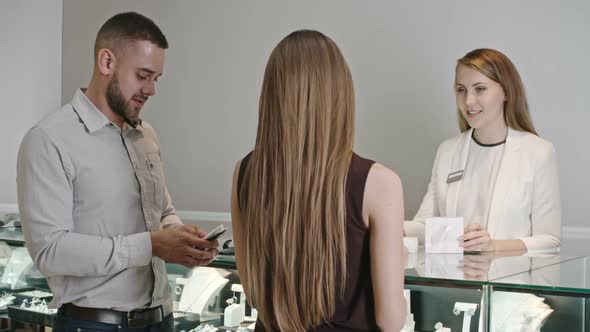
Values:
[(96, 214)]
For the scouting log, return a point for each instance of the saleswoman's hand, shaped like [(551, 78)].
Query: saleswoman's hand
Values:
[(476, 238), (476, 267)]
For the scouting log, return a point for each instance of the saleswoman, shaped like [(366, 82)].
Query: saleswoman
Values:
[(498, 173)]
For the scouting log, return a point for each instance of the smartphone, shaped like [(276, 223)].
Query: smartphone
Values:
[(214, 234)]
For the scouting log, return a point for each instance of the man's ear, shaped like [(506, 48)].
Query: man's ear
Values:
[(105, 61)]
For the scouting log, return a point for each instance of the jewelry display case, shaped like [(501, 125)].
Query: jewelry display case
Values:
[(556, 296), (10, 230), (454, 289), (459, 292), (444, 290)]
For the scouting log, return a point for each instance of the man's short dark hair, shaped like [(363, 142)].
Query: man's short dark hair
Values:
[(127, 27)]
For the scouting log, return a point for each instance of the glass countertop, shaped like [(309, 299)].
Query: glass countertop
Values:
[(475, 268), (554, 271), (224, 262), (571, 276), (12, 235), (462, 269), (10, 231)]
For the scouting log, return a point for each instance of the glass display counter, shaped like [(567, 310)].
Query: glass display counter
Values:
[(441, 288), (555, 296), (10, 230), (446, 288), (461, 292)]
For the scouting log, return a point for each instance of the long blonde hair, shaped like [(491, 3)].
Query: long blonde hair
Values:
[(497, 67), (292, 197)]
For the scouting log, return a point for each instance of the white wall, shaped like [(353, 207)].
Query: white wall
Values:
[(402, 57), (30, 39)]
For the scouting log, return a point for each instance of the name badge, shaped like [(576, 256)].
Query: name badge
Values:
[(455, 176)]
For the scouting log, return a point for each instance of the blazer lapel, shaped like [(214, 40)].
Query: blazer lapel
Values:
[(457, 165), (508, 166)]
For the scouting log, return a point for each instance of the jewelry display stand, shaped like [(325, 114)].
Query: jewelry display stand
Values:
[(201, 289)]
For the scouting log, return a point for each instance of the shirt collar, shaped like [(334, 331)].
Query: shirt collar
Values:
[(128, 129), (92, 118)]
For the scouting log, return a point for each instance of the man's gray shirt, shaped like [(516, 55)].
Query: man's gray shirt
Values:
[(88, 194)]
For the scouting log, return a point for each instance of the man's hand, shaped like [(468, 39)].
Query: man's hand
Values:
[(183, 245), (476, 238)]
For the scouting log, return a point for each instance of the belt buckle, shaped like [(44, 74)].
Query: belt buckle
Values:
[(133, 321)]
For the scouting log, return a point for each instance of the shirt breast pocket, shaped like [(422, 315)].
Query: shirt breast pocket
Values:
[(156, 177)]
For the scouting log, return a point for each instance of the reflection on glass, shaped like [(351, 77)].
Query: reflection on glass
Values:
[(570, 276), (14, 274), (481, 267)]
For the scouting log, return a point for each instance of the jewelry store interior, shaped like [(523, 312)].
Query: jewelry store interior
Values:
[(403, 58)]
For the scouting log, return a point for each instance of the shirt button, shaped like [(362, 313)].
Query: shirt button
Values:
[(78, 330)]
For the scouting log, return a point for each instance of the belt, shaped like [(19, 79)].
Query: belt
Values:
[(135, 318)]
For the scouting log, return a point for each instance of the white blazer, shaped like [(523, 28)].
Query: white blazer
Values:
[(525, 201)]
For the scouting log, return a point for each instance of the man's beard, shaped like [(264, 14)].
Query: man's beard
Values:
[(118, 104)]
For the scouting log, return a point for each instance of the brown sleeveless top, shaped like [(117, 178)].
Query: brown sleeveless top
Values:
[(356, 310)]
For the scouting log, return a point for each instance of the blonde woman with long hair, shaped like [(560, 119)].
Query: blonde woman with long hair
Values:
[(498, 173), (317, 229)]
